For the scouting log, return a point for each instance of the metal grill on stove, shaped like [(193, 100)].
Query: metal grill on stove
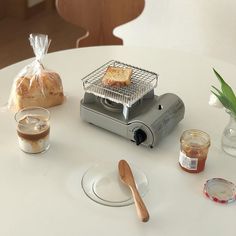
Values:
[(142, 82), (134, 111)]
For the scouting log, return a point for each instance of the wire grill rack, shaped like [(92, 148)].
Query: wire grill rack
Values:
[(142, 82)]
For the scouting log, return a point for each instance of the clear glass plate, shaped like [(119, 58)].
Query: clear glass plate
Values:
[(102, 184)]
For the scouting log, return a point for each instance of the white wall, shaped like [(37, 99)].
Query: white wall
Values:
[(31, 3), (205, 27)]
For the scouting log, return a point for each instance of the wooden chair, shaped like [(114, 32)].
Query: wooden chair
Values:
[(99, 18)]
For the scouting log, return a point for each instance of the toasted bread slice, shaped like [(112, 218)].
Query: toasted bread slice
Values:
[(117, 77)]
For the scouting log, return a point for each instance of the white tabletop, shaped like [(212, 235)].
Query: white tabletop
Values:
[(42, 194)]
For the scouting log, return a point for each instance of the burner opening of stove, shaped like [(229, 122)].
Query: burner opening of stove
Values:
[(110, 105)]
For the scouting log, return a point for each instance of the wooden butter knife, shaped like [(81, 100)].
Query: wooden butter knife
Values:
[(127, 178)]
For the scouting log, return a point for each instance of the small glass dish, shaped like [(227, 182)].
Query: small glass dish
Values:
[(102, 184)]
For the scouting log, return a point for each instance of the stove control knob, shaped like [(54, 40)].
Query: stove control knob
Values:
[(139, 136)]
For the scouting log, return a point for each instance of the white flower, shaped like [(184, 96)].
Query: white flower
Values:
[(214, 101)]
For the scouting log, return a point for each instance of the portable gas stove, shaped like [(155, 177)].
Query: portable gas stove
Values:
[(133, 112)]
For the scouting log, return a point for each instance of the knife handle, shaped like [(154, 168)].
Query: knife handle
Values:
[(140, 206)]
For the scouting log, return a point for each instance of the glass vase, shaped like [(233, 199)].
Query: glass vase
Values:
[(229, 136)]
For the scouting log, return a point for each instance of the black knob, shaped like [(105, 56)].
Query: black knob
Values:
[(139, 136)]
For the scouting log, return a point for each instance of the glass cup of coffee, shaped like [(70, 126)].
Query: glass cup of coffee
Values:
[(33, 129)]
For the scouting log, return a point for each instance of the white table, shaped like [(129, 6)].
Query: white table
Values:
[(42, 195)]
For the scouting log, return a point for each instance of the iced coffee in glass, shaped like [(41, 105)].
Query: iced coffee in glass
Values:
[(33, 129)]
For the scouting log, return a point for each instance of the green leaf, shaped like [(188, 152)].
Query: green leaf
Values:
[(225, 101), (217, 90), (226, 89)]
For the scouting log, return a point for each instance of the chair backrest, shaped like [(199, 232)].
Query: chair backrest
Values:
[(99, 18)]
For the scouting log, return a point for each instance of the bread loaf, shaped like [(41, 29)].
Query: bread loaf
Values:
[(43, 90), (117, 77)]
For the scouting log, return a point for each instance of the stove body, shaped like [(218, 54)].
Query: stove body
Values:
[(145, 119), (150, 119)]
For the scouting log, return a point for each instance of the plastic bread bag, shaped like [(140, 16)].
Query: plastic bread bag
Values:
[(35, 85)]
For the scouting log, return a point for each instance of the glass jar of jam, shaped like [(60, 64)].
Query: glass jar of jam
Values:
[(194, 146)]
